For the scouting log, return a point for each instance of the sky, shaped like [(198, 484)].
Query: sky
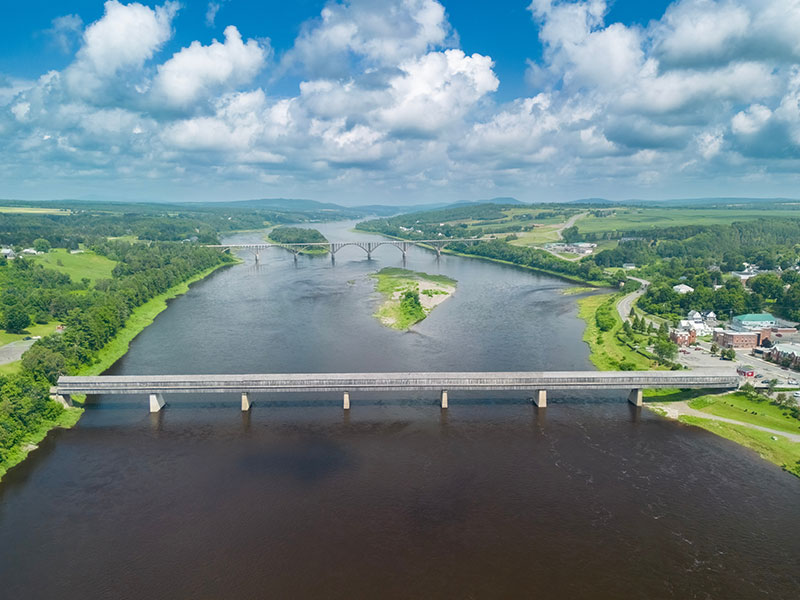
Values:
[(399, 101)]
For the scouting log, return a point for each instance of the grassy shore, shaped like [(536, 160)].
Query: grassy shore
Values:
[(66, 419), (140, 318), (780, 451), (606, 352)]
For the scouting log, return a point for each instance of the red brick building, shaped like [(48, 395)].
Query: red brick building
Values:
[(726, 338), (683, 337)]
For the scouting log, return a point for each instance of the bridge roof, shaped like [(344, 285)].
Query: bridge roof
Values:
[(325, 382)]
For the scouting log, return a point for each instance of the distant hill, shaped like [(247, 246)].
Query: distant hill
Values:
[(290, 204), (705, 202)]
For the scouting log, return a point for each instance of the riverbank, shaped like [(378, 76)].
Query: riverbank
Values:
[(755, 423), (139, 318), (410, 296), (606, 352)]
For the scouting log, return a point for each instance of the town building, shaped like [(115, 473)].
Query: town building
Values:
[(753, 321), (728, 338), (683, 337), (788, 354), (745, 371), (682, 288)]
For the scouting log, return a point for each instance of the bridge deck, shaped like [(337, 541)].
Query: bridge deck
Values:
[(389, 382)]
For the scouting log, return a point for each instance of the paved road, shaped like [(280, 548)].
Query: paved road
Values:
[(13, 352), (624, 306), (677, 409), (569, 223)]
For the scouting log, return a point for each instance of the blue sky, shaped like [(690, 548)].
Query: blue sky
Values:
[(399, 100)]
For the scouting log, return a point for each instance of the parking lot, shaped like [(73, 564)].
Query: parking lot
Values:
[(700, 357)]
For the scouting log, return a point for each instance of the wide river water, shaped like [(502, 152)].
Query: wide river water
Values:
[(589, 498)]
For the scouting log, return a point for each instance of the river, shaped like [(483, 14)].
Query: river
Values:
[(590, 498)]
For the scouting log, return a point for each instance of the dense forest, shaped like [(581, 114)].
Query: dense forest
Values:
[(91, 315)]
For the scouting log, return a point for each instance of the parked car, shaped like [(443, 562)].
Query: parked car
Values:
[(759, 376), (792, 382)]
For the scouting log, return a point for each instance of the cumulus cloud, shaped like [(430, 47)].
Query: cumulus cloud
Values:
[(388, 102), (381, 32), (123, 39), (199, 69)]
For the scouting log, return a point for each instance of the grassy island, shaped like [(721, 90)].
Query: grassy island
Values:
[(410, 296), (299, 235)]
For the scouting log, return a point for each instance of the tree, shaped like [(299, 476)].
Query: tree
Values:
[(665, 349), (767, 285), (626, 327), (663, 331), (16, 319), (714, 349), (771, 385), (43, 362), (41, 245)]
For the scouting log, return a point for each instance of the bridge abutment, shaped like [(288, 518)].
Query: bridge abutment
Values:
[(346, 401), (540, 398), (444, 398), (635, 397), (246, 401), (64, 400), (156, 402)]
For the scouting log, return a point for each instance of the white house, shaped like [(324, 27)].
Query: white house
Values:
[(682, 288), (8, 253)]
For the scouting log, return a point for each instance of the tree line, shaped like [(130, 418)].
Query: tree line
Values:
[(92, 316)]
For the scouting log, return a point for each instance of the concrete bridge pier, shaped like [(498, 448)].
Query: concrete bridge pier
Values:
[(246, 401), (444, 398), (635, 397), (156, 402), (346, 401), (540, 398)]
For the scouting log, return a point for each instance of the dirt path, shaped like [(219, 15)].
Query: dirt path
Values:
[(676, 409)]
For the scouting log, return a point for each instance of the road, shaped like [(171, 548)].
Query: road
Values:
[(624, 306), (569, 223), (13, 352)]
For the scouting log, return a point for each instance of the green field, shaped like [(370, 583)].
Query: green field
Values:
[(34, 210), (632, 218), (78, 266), (32, 330), (537, 236), (739, 407)]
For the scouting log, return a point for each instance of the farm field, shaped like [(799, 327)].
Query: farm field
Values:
[(634, 218), (78, 266), (34, 210)]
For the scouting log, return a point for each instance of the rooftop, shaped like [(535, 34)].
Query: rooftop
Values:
[(755, 317)]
